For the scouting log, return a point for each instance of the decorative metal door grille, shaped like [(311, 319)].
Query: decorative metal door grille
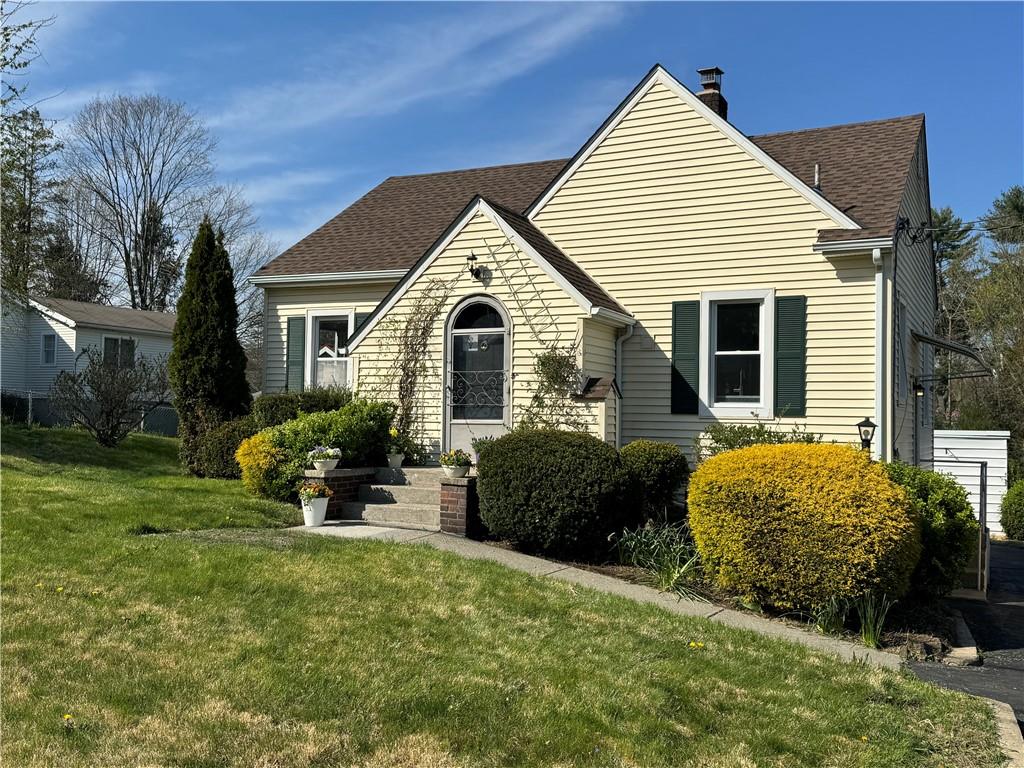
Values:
[(477, 388)]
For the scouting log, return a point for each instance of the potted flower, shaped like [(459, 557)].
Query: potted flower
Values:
[(324, 458), (396, 449), (314, 497), (456, 463), (479, 444)]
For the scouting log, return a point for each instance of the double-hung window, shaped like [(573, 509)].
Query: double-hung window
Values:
[(736, 377), (48, 355), (119, 351), (328, 363)]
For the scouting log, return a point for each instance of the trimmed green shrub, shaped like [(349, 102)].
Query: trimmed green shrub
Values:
[(555, 492), (949, 532), (656, 471), (274, 460), (215, 448), (1011, 512), (797, 525), (271, 410), (718, 438)]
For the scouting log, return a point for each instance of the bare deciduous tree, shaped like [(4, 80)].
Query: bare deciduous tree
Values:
[(135, 155)]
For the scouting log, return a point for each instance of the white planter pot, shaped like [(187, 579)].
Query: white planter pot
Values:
[(323, 465), (395, 460), (454, 471), (314, 512)]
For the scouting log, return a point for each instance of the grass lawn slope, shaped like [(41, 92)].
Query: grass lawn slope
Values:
[(178, 625)]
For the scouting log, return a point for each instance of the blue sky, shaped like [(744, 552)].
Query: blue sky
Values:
[(314, 103)]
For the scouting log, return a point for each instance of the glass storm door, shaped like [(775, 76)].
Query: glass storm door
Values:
[(477, 403)]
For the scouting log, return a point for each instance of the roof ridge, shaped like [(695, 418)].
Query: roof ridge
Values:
[(898, 118), (478, 168)]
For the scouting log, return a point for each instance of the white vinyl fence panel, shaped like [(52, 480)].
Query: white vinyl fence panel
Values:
[(958, 453)]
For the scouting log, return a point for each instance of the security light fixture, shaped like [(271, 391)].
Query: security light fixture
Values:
[(918, 390), (471, 266), (866, 429)]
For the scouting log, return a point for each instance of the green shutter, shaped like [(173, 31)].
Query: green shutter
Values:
[(360, 319), (685, 356), (791, 356), (296, 354)]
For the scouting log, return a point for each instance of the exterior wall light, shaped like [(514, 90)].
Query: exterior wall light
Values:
[(866, 429), (471, 266)]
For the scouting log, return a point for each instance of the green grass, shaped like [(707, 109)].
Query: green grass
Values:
[(231, 642)]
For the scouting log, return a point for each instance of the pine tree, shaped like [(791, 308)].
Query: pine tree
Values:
[(207, 363)]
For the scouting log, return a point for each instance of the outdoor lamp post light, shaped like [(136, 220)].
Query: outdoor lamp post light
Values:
[(867, 433)]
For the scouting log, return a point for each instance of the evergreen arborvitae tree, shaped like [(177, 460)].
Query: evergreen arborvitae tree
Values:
[(207, 363)]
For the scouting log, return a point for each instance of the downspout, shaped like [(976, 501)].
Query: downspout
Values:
[(881, 369), (619, 341)]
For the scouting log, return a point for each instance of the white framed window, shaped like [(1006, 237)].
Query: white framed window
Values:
[(119, 351), (737, 346), (327, 332), (48, 349)]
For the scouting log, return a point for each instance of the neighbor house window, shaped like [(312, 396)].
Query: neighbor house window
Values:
[(49, 354), (119, 351), (330, 362), (736, 375)]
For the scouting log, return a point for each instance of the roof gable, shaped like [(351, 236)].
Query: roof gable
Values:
[(660, 76), (574, 281)]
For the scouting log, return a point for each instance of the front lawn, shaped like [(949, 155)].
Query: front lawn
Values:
[(178, 625)]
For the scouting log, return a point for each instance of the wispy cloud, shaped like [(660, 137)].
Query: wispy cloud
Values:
[(464, 52), (286, 185), (64, 104)]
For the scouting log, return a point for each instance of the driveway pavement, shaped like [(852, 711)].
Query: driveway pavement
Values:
[(998, 629)]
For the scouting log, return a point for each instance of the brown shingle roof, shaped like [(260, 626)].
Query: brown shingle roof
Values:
[(863, 172), (551, 253), (112, 318), (863, 168), (394, 223)]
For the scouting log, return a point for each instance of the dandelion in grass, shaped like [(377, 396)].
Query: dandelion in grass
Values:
[(68, 721), (39, 585), (60, 589)]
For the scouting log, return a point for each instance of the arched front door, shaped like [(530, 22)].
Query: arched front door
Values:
[(477, 358)]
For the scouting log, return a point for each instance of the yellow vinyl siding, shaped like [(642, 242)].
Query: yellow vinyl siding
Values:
[(666, 207), (916, 286), (532, 299), (597, 360), (293, 301)]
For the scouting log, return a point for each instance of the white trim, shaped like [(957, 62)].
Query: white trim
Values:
[(478, 206), (845, 246), (312, 315), (47, 312), (611, 317), (880, 442), (659, 75), (322, 278), (42, 349), (974, 433), (764, 409)]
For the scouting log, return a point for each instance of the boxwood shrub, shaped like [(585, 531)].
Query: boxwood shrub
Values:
[(214, 451), (553, 492), (656, 472), (949, 532), (271, 410), (274, 460), (1011, 513), (797, 525)]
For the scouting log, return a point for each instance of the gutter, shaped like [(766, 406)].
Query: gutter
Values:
[(851, 246), (619, 341), (325, 278)]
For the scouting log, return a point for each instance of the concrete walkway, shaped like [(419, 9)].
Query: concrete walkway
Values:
[(537, 566)]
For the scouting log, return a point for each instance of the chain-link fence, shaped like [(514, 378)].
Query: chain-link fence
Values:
[(22, 406)]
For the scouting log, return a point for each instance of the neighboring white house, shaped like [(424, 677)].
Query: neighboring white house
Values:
[(960, 453), (45, 336)]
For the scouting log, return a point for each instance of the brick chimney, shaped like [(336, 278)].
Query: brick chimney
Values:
[(711, 91)]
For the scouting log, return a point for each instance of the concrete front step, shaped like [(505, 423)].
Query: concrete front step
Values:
[(428, 477), (425, 516), (402, 494)]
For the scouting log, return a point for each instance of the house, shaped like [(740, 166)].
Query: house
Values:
[(698, 274), (43, 336)]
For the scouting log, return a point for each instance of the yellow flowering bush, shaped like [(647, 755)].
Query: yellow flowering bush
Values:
[(257, 456), (795, 525)]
